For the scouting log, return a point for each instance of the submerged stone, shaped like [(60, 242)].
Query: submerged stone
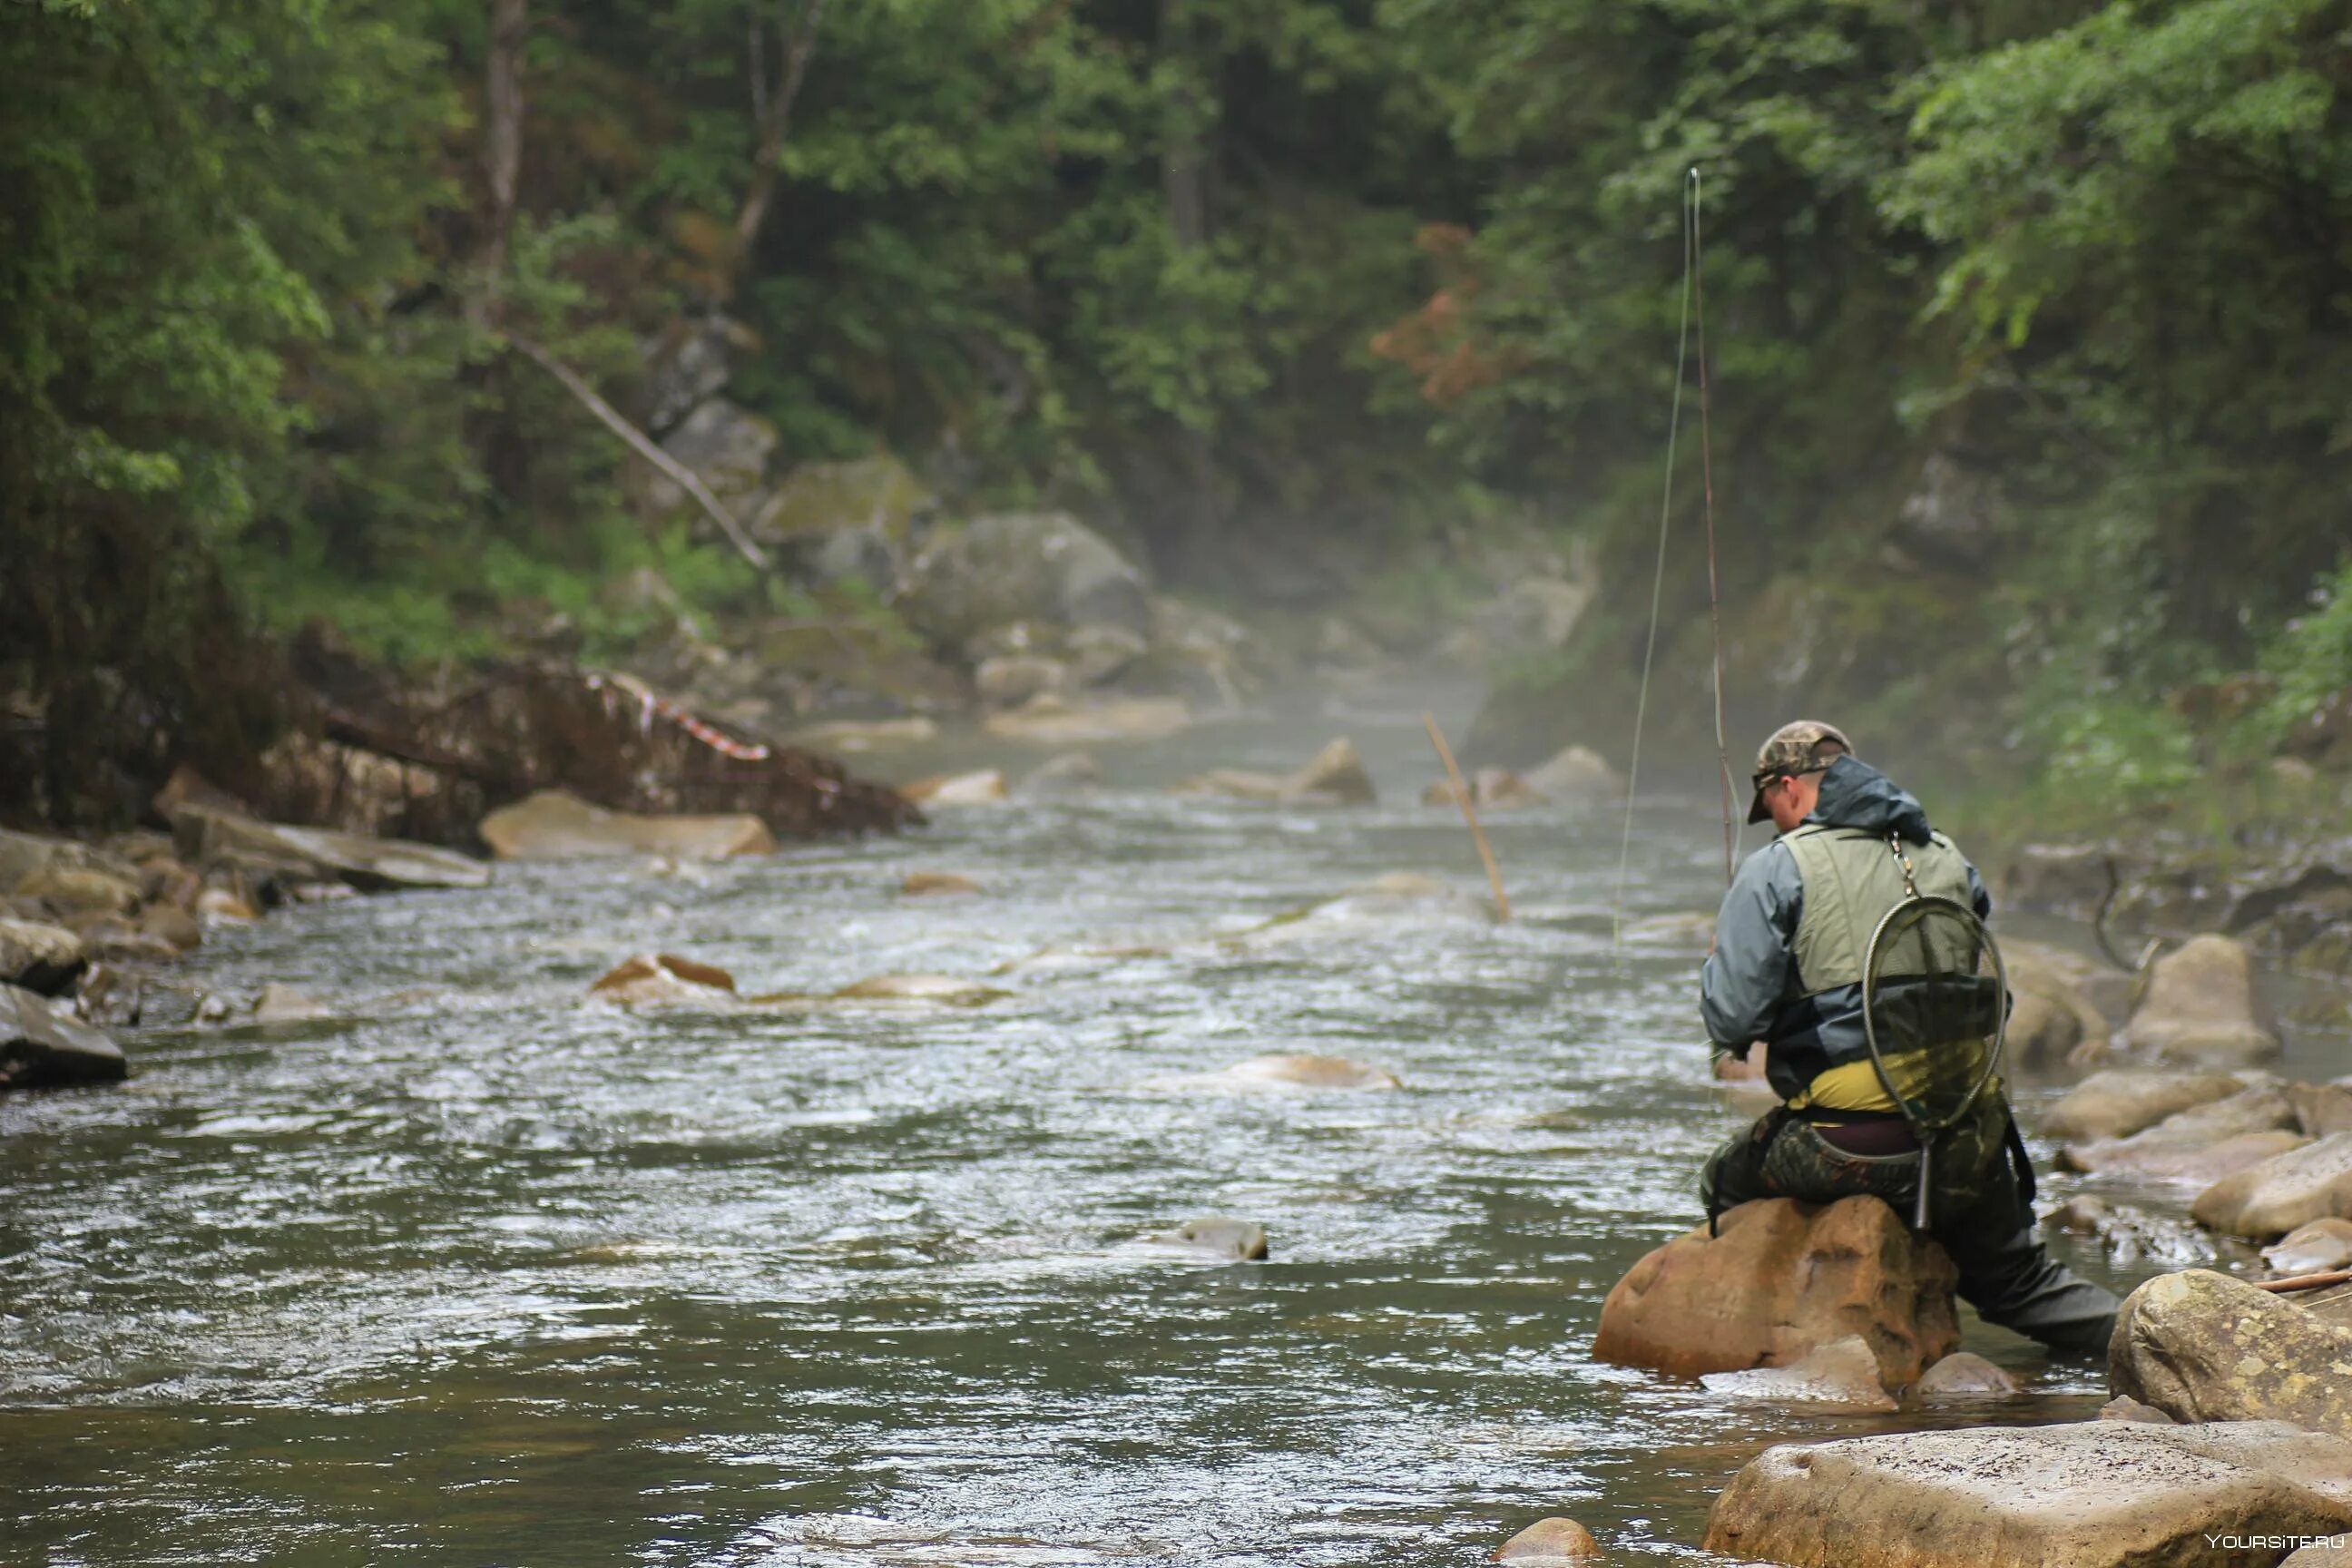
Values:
[(1843, 1372), (1551, 1543)]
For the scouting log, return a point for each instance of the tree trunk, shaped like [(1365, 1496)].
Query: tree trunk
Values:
[(1184, 174), (772, 113), (502, 109)]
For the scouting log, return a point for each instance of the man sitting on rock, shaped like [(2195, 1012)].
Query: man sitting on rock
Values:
[(1787, 969)]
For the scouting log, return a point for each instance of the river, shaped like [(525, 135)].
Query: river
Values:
[(476, 1270)]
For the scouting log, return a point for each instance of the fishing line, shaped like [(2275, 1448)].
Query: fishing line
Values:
[(1658, 583), (1706, 472)]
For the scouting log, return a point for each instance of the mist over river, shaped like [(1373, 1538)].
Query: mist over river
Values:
[(476, 1270)]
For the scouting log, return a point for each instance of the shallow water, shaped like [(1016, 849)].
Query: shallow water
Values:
[(476, 1270)]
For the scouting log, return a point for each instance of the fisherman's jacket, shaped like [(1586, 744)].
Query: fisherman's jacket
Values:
[(1794, 931)]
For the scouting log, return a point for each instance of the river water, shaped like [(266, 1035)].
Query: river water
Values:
[(478, 1270)]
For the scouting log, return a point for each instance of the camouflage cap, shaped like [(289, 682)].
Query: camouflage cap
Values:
[(1806, 746)]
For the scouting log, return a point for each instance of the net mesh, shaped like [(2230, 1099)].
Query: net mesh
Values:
[(1934, 999)]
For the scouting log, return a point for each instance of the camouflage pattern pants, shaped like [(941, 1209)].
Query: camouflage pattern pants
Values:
[(1978, 1210)]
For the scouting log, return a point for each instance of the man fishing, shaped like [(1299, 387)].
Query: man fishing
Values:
[(1787, 969)]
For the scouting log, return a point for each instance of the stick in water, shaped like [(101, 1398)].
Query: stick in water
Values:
[(2306, 1281), (1469, 815)]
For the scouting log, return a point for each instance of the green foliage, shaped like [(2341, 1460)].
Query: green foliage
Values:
[(2310, 660), (1228, 273)]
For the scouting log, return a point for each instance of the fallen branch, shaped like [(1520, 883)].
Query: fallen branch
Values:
[(643, 445), (2306, 1281), (1470, 816)]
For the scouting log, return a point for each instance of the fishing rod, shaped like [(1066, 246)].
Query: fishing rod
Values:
[(1694, 311)]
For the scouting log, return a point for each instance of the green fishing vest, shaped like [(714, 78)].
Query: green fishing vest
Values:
[(1852, 879)]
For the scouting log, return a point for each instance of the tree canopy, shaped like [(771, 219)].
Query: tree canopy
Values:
[(2027, 322)]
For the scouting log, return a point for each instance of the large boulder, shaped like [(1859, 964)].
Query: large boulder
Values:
[(555, 825), (828, 523), (2201, 1144), (727, 446), (79, 892), (2120, 1101), (2052, 1018), (2096, 1494), (1023, 566), (42, 1048), (688, 362), (37, 957), (2200, 1346), (1780, 1280), (370, 865), (2283, 1192), (2199, 1006)]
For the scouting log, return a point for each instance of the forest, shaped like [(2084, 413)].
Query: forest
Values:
[(2026, 326)]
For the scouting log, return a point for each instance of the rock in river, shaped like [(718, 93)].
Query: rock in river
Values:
[(1288, 1072), (1335, 776), (983, 788), (2120, 1101), (1962, 1376), (2324, 1244), (370, 865), (1843, 1372), (2284, 1192), (937, 884), (2200, 1346), (1219, 1236), (555, 825), (43, 958), (660, 979), (2200, 1006), (2201, 1144), (1782, 1279), (41, 1048), (2094, 1494), (1551, 1543)]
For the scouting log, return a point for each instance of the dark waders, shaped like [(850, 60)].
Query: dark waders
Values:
[(1981, 1211)]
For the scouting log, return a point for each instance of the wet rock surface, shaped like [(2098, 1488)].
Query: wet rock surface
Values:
[(2282, 1192), (1217, 1236), (39, 957), (1842, 1373), (1551, 1543), (1780, 1280), (2120, 1101), (1964, 1377), (2200, 1346), (2098, 1494), (555, 825), (2201, 1144), (2199, 1006), (42, 1046)]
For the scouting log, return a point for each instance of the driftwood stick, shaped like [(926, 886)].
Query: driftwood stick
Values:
[(2306, 1281), (1469, 815), (640, 442)]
